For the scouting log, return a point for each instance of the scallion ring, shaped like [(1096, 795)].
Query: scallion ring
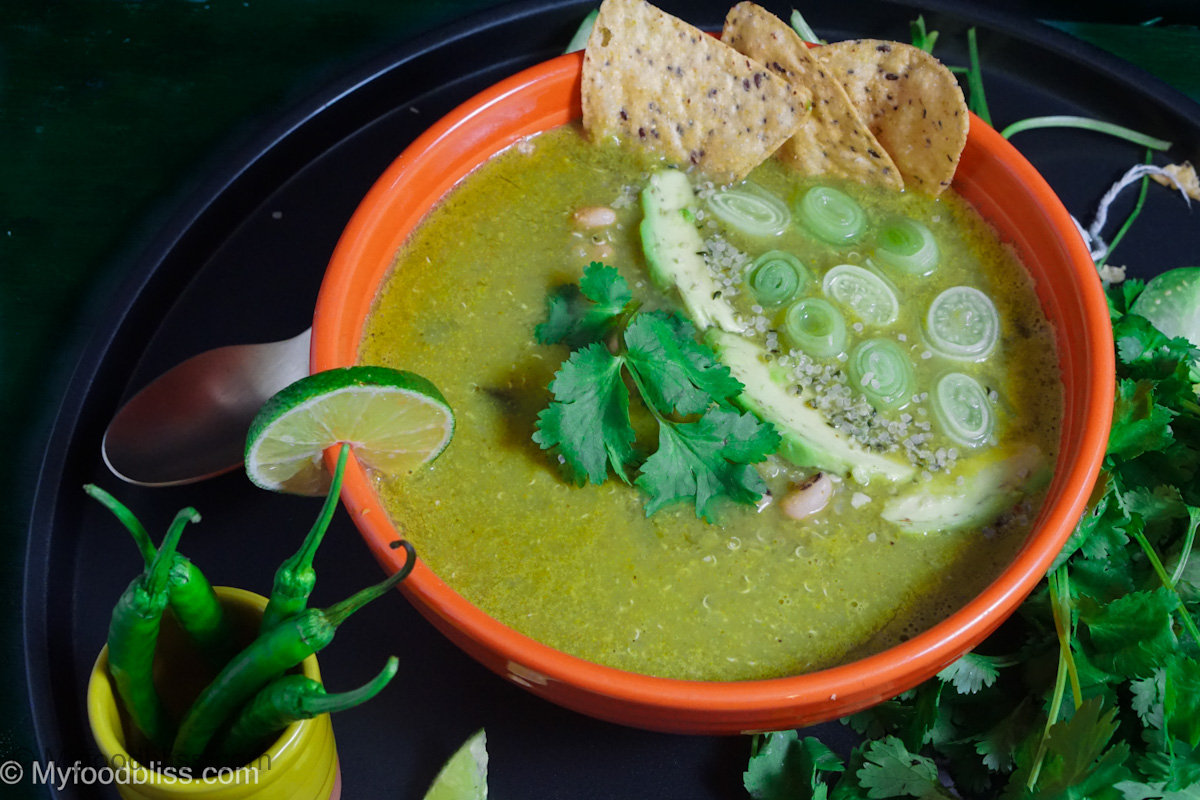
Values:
[(864, 292), (962, 406), (831, 216), (751, 209), (880, 369), (816, 327), (963, 323), (775, 277), (908, 246)]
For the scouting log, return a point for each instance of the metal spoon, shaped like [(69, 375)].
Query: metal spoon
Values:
[(190, 423)]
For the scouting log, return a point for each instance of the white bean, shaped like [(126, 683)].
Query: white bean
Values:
[(594, 217), (809, 497)]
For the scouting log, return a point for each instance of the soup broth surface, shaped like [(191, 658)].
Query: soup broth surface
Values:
[(584, 570)]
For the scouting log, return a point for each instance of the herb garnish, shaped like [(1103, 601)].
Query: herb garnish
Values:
[(706, 447), (1100, 695)]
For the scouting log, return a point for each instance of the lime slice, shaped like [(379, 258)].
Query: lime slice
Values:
[(464, 776), (395, 421)]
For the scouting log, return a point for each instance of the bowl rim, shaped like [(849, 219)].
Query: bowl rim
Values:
[(852, 685)]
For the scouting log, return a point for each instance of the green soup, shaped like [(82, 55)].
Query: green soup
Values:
[(585, 570)]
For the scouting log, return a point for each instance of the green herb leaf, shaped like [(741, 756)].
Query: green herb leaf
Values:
[(1131, 635), (1139, 423), (1181, 700), (679, 374), (589, 419), (970, 673), (707, 460), (787, 767), (578, 316), (890, 770), (1077, 764)]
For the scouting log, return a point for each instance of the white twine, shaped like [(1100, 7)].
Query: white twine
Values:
[(1096, 245)]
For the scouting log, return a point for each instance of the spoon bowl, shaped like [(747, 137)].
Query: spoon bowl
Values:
[(190, 423)]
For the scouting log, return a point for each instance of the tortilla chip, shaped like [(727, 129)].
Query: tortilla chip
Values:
[(653, 81), (1185, 174), (912, 104), (834, 140)]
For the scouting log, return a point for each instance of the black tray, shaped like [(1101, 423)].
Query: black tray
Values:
[(242, 261)]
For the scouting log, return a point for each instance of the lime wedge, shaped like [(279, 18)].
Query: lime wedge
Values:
[(464, 776), (395, 421)]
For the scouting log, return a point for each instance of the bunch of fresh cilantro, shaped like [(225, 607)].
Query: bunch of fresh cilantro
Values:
[(706, 447), (1093, 690)]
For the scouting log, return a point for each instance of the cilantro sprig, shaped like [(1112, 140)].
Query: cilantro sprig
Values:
[(1095, 690), (706, 447)]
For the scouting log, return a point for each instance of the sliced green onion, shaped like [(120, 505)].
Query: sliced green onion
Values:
[(802, 29), (776, 276), (580, 39), (1119, 131), (907, 245), (751, 210), (882, 371), (963, 323), (816, 327), (864, 292), (962, 406), (832, 216)]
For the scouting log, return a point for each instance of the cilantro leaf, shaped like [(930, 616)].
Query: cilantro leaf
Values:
[(970, 673), (708, 459), (1147, 700), (998, 745), (1077, 763), (890, 770), (1181, 700), (589, 419), (1139, 423), (583, 315), (787, 767), (1132, 634), (676, 374)]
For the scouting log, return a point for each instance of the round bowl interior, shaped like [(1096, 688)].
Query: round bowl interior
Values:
[(992, 175)]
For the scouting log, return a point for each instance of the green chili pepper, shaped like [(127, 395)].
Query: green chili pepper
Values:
[(192, 599), (133, 634), (266, 658), (295, 578), (286, 700)]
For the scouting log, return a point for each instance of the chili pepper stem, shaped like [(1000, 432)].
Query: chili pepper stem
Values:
[(126, 518), (331, 703), (159, 570), (337, 613)]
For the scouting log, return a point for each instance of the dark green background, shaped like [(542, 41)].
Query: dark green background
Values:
[(107, 109)]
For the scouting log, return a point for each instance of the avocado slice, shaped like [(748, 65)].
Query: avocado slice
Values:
[(992, 484), (674, 251), (808, 438)]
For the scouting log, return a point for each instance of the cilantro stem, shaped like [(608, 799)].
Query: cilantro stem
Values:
[(1186, 617), (1186, 552), (978, 102), (1060, 684), (1060, 606), (1137, 210), (1119, 131)]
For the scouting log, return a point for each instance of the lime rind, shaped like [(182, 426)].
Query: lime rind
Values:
[(394, 420)]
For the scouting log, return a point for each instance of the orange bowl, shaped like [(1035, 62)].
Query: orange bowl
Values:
[(992, 175)]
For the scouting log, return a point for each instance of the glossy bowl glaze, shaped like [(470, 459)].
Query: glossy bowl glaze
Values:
[(301, 764), (992, 175)]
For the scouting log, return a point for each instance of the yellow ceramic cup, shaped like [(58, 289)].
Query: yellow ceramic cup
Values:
[(301, 765)]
